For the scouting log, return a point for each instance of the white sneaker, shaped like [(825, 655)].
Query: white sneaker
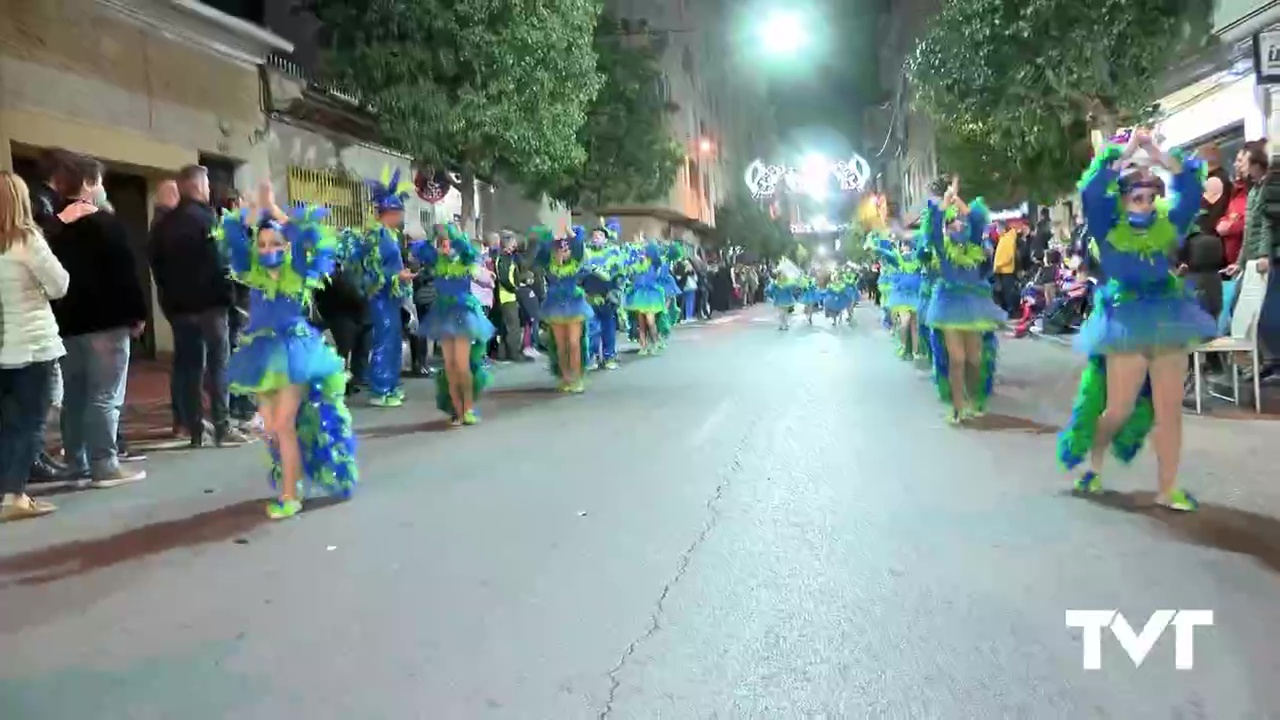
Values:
[(117, 478)]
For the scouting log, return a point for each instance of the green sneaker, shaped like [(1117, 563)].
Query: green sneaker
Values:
[(1089, 484), (387, 401), (578, 387), (1178, 499), (470, 418), (281, 509), (611, 365), (955, 417)]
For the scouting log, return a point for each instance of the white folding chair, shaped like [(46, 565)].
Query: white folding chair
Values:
[(1243, 339)]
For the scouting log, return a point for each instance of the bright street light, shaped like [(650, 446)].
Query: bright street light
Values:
[(706, 146), (783, 33)]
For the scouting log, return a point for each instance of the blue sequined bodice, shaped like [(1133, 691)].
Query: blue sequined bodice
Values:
[(273, 313)]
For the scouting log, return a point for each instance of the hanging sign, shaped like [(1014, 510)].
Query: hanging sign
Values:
[(432, 186), (1266, 57)]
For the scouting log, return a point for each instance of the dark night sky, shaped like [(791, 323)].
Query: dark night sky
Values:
[(818, 96)]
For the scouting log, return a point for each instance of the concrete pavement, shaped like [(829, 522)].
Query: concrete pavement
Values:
[(756, 524)]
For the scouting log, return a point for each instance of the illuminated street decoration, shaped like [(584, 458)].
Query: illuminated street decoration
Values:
[(812, 178), (819, 227)]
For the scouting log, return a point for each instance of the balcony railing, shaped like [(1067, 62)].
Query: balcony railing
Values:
[(288, 67)]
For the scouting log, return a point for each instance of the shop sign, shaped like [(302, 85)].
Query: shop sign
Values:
[(1266, 57)]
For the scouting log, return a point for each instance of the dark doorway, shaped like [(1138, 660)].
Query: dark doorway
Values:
[(222, 177), (128, 195)]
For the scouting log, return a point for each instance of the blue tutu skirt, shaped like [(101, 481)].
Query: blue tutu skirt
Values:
[(904, 293), (646, 299), (784, 298), (269, 360), (454, 319), (922, 307), (835, 303), (964, 306), (1162, 316), (566, 309), (811, 296)]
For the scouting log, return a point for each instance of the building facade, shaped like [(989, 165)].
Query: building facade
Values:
[(900, 137), (148, 86), (711, 116), (1215, 97)]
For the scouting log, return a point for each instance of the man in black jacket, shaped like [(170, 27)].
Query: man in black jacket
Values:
[(195, 295)]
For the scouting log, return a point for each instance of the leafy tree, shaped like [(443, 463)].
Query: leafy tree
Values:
[(1018, 84), (481, 85), (630, 156), (741, 221)]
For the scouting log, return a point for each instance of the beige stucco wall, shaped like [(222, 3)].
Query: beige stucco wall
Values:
[(75, 78)]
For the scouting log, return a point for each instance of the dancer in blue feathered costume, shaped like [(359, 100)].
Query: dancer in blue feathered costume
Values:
[(456, 321), (645, 297), (784, 293), (928, 269), (282, 361), (838, 296), (672, 252), (961, 307), (604, 275), (565, 309), (1144, 318), (810, 295), (389, 285)]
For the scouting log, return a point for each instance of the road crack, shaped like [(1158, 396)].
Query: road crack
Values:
[(682, 567)]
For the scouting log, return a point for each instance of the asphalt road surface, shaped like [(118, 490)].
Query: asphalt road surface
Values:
[(754, 525)]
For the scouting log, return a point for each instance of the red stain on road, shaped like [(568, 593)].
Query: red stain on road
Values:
[(40, 567)]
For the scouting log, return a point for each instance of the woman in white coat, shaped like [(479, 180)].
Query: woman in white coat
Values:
[(30, 276)]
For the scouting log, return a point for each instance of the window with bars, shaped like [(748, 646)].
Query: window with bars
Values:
[(346, 197)]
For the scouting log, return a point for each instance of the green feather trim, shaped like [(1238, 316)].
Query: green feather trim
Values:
[(481, 378), (553, 355), (1156, 241)]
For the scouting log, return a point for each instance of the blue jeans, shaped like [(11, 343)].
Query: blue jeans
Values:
[(607, 317), (24, 405), (689, 296), (94, 373), (201, 345), (1230, 288)]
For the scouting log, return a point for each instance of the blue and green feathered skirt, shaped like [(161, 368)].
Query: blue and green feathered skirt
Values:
[(452, 316), (783, 296), (837, 301), (926, 295), (811, 295), (269, 359), (964, 305), (1138, 318), (647, 299), (565, 305), (904, 292)]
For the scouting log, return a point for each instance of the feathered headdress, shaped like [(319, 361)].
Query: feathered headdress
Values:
[(389, 192)]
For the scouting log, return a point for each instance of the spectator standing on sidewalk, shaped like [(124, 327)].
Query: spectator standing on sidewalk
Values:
[(102, 311), (51, 214), (1004, 266), (196, 296), (30, 276), (507, 277)]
